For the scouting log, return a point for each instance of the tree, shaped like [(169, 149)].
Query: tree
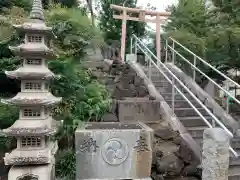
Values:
[(67, 3), (73, 30), (223, 36), (112, 27), (187, 24), (25, 4), (84, 98), (90, 7)]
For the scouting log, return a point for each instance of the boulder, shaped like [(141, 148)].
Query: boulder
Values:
[(169, 165), (166, 133)]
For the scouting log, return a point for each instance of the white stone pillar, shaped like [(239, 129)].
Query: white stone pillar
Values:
[(215, 157)]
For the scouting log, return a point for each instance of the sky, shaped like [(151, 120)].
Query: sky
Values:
[(161, 5)]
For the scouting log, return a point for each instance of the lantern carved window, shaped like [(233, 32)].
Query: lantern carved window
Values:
[(34, 39), (28, 112), (31, 142), (33, 61), (33, 86)]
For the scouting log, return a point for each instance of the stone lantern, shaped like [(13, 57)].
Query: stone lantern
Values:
[(34, 156)]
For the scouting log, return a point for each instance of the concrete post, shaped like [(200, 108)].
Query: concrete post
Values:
[(215, 157)]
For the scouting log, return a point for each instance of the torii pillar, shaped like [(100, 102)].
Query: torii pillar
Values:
[(141, 17)]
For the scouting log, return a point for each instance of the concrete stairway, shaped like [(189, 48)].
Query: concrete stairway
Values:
[(190, 119)]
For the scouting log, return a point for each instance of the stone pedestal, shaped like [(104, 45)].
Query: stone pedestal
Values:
[(215, 157), (113, 151)]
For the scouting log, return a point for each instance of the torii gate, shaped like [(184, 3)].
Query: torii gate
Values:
[(141, 17)]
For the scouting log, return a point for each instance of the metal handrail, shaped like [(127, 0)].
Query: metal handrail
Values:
[(206, 76), (175, 87), (192, 65), (206, 63)]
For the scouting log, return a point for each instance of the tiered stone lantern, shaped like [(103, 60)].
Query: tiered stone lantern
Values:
[(34, 156)]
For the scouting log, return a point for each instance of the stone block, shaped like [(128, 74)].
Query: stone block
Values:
[(109, 117), (215, 156), (139, 109), (119, 94), (113, 151)]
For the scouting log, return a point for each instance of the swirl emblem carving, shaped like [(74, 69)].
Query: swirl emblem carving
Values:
[(115, 151)]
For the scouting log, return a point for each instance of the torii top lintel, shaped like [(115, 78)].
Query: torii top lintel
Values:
[(136, 10), (142, 14)]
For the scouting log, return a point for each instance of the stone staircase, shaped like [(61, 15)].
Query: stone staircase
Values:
[(190, 119)]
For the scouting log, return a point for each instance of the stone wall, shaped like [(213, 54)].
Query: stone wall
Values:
[(132, 101)]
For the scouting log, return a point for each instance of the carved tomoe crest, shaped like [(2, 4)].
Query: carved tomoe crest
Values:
[(115, 151)]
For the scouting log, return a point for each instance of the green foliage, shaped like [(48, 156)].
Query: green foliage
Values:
[(65, 164), (73, 30), (25, 4), (188, 24), (8, 36), (5, 143), (212, 33), (84, 99), (224, 35), (67, 3), (190, 15), (8, 114), (112, 27)]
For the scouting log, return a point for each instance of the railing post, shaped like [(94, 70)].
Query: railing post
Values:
[(150, 69), (135, 49), (173, 94), (227, 97), (173, 53), (166, 51), (194, 68), (213, 123), (131, 45)]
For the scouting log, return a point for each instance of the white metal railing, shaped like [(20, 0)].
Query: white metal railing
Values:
[(195, 68), (160, 66)]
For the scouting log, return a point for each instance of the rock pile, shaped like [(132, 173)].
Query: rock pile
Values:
[(173, 160)]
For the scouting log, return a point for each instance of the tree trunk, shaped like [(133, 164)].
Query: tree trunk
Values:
[(89, 3)]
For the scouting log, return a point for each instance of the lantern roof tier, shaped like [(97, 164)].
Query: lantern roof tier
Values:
[(33, 98), (36, 49), (35, 27), (25, 127), (31, 72)]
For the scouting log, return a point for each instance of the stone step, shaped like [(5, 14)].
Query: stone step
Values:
[(234, 173), (184, 112), (168, 96), (162, 83), (157, 78), (183, 103), (234, 161), (194, 121), (235, 142)]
